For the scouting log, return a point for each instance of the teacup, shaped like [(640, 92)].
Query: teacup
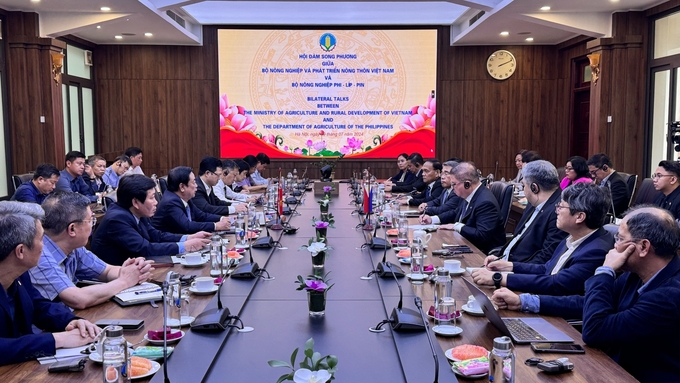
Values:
[(472, 303), (203, 283), (193, 258), (452, 265), (423, 235)]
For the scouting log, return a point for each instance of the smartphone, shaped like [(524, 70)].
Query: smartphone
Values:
[(558, 348), (69, 365), (126, 324), (441, 252)]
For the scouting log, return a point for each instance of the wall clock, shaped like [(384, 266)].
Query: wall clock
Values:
[(501, 65)]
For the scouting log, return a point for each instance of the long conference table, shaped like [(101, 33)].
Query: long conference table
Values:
[(280, 318)]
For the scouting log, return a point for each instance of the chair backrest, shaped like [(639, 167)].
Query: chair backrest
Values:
[(646, 193), (163, 182), (561, 173), (18, 179), (631, 182), (503, 193)]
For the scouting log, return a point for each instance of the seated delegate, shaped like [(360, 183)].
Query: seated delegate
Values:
[(666, 180), (448, 200), (404, 176), (431, 171), (209, 174), (601, 168), (575, 171), (43, 183), (22, 305), (71, 178)]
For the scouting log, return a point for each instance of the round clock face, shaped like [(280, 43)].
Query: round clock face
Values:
[(501, 65)]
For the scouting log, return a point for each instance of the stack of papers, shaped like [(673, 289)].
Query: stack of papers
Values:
[(141, 293)]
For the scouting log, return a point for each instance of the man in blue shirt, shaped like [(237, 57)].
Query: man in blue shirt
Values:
[(71, 178), (44, 181), (113, 173), (262, 163), (21, 306), (633, 317), (65, 260)]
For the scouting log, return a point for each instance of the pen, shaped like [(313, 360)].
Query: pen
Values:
[(147, 291)]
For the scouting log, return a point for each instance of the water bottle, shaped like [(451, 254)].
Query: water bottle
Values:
[(215, 255), (502, 361), (174, 302), (402, 230), (240, 229), (442, 295), (115, 356)]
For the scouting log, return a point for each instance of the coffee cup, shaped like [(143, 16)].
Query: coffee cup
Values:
[(452, 265), (472, 303), (423, 235), (203, 283), (193, 258)]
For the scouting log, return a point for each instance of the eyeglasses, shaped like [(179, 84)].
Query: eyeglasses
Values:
[(618, 239), (568, 168), (92, 221), (593, 172), (659, 175), (558, 207)]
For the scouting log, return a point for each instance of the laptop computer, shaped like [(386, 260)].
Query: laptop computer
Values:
[(521, 330)]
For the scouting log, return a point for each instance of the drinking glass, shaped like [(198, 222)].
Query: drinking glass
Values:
[(446, 311), (402, 230)]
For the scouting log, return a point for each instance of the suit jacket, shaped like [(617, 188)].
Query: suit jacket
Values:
[(408, 178), (171, 216), (18, 343), (417, 184), (638, 331), (422, 197), (439, 205), (92, 184), (538, 244), (120, 237), (209, 203), (619, 193), (483, 225), (581, 265), (669, 202)]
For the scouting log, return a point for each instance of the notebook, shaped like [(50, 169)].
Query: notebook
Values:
[(521, 330)]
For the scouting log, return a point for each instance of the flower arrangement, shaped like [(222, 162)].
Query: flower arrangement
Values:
[(326, 219), (327, 189), (316, 283), (324, 201), (314, 368), (315, 246)]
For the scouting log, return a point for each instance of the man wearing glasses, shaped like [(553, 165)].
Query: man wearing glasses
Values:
[(580, 214), (448, 200), (65, 261), (666, 180), (633, 317), (601, 169), (209, 173)]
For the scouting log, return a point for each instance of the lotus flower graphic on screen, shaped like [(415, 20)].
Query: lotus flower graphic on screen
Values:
[(234, 116), (353, 144), (422, 116)]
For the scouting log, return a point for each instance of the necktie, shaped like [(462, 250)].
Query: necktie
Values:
[(428, 193), (463, 211), (188, 213), (446, 196)]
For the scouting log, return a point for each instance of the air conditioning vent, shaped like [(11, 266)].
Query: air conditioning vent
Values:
[(476, 17), (177, 18)]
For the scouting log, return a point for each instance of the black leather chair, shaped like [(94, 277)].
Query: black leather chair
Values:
[(631, 181), (561, 173), (503, 193), (163, 182), (646, 193), (18, 179)]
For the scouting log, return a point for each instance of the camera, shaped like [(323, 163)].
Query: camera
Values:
[(556, 366)]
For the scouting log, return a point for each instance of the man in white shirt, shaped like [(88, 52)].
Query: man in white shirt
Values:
[(223, 190), (581, 214)]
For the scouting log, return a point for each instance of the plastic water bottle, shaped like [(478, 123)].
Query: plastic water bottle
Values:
[(442, 294), (295, 175), (115, 356), (502, 361)]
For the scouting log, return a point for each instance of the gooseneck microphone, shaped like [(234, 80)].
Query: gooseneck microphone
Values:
[(382, 269), (247, 270), (419, 305), (216, 319), (401, 319)]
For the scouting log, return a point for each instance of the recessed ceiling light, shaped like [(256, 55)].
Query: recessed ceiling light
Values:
[(505, 33), (545, 8), (105, 9), (99, 27), (148, 34), (118, 37), (35, 1), (529, 39)]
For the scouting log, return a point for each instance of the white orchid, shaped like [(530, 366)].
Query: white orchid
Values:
[(317, 247), (324, 202), (304, 375)]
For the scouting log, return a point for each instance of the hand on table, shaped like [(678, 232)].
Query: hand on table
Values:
[(222, 224), (199, 235), (506, 299), (78, 332), (195, 244), (449, 226), (422, 207), (493, 263), (425, 219), (483, 277), (241, 208)]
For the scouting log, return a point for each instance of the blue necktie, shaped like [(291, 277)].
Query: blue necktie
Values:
[(188, 213), (428, 193)]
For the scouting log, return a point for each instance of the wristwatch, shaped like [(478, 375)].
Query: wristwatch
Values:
[(497, 278)]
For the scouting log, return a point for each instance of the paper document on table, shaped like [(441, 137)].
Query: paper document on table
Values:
[(144, 292), (423, 227), (63, 353)]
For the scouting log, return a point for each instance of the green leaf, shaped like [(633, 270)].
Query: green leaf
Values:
[(305, 152), (332, 361), (279, 363), (286, 377), (304, 364), (294, 356), (368, 148), (316, 358), (309, 352)]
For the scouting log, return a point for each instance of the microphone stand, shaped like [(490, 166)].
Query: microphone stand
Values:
[(419, 304), (165, 332)]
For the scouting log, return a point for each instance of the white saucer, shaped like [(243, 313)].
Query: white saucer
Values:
[(185, 264), (160, 342), (447, 330), (155, 366), (204, 292), (477, 313), (416, 277), (406, 261), (239, 246), (460, 271), (187, 320)]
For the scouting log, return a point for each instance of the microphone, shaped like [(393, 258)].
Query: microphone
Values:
[(419, 305), (247, 270), (216, 319), (401, 319), (383, 270)]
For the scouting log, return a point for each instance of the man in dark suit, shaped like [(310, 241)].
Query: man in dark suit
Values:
[(177, 212), (415, 163), (209, 173), (536, 235), (581, 214), (43, 183), (431, 172), (601, 169), (633, 317), (448, 200), (478, 216), (21, 305), (666, 180), (125, 231)]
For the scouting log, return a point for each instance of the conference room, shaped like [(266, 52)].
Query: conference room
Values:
[(185, 80)]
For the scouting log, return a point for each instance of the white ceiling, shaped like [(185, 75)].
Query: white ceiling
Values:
[(133, 18)]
